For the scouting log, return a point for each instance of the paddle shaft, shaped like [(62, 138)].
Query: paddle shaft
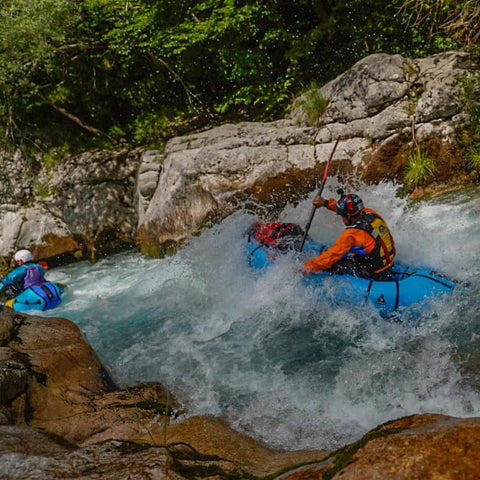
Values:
[(319, 194)]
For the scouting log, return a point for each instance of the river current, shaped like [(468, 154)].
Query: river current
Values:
[(263, 352)]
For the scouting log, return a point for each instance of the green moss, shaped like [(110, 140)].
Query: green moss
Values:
[(289, 468), (469, 138), (412, 105), (344, 456), (128, 447), (55, 156), (159, 251), (409, 69), (41, 190), (190, 454), (157, 407), (194, 472), (56, 438)]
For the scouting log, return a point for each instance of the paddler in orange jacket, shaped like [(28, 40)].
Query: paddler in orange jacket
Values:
[(365, 248)]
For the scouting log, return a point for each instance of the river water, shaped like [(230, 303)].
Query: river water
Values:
[(264, 352)]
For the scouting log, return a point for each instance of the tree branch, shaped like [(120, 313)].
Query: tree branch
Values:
[(75, 119), (190, 95)]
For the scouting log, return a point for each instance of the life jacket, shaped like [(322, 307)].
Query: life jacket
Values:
[(47, 295), (382, 255), (33, 276), (283, 236)]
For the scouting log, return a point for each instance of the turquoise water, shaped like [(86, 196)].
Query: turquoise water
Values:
[(262, 351)]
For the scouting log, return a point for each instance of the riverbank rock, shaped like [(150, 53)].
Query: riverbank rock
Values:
[(423, 447), (381, 109), (83, 205), (26, 454), (61, 416), (93, 194), (51, 379)]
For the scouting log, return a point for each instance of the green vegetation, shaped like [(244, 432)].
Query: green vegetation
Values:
[(420, 167), (166, 249), (470, 137), (106, 73), (41, 190), (313, 104), (473, 157), (344, 456), (155, 406), (412, 105)]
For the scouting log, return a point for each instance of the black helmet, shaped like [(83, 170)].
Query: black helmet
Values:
[(349, 205)]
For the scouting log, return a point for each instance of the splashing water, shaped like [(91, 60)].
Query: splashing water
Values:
[(263, 352)]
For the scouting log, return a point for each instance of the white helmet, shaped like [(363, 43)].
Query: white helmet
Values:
[(23, 256)]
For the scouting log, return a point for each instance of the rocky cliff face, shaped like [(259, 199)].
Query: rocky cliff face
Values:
[(100, 201)]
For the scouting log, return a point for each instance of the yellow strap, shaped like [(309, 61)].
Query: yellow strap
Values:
[(64, 285)]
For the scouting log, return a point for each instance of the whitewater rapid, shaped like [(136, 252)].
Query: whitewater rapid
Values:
[(263, 352)]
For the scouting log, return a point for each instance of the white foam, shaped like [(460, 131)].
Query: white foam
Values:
[(264, 352)]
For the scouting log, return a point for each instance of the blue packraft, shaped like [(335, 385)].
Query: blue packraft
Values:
[(407, 286)]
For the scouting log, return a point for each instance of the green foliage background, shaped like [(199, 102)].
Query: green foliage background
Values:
[(78, 74)]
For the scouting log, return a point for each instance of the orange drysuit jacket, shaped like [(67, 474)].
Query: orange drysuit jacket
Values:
[(351, 237)]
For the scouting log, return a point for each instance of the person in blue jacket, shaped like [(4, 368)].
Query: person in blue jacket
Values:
[(27, 274)]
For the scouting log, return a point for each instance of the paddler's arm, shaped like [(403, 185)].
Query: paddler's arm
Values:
[(13, 277), (327, 258), (331, 203)]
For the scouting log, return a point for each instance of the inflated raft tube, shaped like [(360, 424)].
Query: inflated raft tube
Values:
[(42, 297), (408, 286)]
